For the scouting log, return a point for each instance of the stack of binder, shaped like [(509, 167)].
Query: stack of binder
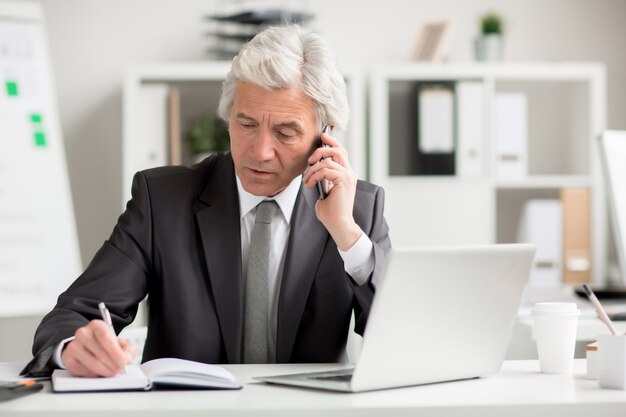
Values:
[(230, 31), (450, 129), (561, 230)]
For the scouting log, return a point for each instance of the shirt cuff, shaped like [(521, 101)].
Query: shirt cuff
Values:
[(59, 350), (358, 261)]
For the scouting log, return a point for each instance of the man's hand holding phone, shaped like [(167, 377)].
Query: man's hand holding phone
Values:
[(331, 163)]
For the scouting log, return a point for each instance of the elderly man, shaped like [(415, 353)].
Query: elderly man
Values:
[(241, 259)]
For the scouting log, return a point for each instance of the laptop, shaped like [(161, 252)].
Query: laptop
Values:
[(439, 314)]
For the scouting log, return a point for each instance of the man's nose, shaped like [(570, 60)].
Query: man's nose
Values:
[(263, 146)]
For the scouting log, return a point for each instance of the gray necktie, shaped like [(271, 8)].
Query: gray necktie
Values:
[(257, 292)]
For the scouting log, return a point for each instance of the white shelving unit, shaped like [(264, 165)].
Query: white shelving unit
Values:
[(566, 114), (145, 111)]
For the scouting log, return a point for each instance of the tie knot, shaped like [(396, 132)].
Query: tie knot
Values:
[(265, 211)]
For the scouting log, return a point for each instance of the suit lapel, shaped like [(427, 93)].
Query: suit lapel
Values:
[(307, 239), (219, 225)]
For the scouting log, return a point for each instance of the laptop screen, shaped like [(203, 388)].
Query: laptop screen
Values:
[(613, 151)]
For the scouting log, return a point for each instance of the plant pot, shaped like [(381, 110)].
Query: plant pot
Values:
[(489, 48)]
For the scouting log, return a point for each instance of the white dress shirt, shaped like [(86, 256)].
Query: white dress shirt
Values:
[(358, 260)]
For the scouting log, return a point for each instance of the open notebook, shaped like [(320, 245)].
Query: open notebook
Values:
[(169, 372)]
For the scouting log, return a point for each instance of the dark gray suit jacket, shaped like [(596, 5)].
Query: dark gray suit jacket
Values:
[(179, 242)]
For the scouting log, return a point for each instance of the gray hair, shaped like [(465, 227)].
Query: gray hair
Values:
[(280, 57)]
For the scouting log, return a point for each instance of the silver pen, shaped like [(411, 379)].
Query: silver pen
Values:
[(106, 316)]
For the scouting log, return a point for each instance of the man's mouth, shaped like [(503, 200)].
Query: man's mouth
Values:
[(259, 172)]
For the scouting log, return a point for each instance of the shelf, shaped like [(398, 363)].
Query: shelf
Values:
[(178, 71), (521, 131), (545, 182), (561, 71)]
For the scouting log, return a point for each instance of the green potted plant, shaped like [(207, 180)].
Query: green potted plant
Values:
[(207, 134), (490, 44)]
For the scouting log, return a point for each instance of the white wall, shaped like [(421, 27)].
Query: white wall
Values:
[(93, 41)]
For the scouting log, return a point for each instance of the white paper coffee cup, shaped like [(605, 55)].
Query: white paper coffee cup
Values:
[(555, 325)]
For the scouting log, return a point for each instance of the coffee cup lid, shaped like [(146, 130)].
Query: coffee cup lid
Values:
[(555, 308)]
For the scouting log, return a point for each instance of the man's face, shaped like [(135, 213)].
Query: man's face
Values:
[(272, 133)]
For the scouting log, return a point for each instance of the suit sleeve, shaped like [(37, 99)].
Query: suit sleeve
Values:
[(378, 232), (117, 275)]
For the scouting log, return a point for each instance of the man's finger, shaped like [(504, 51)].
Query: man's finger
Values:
[(330, 170), (77, 352), (76, 368), (85, 337), (330, 140), (91, 337), (129, 349), (95, 347), (110, 344), (320, 154)]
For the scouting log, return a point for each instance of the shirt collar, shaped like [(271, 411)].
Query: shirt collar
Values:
[(286, 199)]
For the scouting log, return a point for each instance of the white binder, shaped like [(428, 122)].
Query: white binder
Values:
[(470, 129), (436, 120), (541, 223), (510, 134)]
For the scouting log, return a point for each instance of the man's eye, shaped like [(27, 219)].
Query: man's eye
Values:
[(247, 125), (286, 134)]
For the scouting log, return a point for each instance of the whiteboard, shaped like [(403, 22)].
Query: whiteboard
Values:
[(39, 255), (614, 161)]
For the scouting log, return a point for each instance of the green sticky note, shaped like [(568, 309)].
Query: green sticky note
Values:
[(35, 118), (11, 87), (40, 139)]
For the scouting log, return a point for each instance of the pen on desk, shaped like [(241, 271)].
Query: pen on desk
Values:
[(599, 309)]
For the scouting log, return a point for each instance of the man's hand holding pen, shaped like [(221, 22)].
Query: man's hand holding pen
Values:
[(96, 351)]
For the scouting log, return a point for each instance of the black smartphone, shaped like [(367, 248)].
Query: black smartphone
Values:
[(10, 389), (322, 185)]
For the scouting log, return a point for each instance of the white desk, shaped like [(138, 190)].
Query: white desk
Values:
[(518, 390)]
